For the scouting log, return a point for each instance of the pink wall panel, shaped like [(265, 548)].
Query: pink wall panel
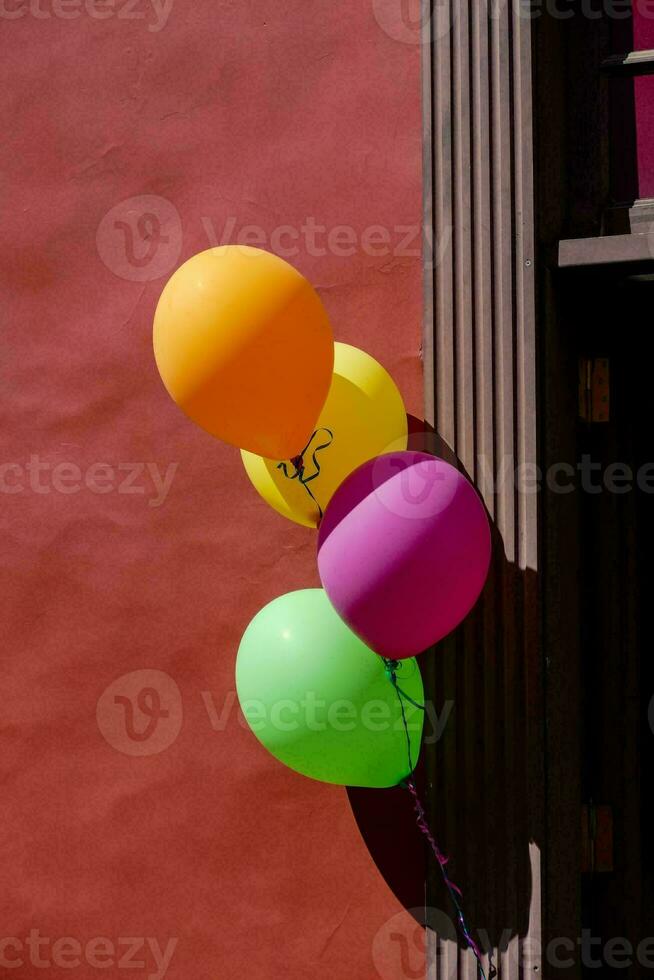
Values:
[(644, 115), (643, 25), (131, 541)]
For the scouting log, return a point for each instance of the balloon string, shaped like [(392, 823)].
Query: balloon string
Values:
[(421, 819), (300, 469)]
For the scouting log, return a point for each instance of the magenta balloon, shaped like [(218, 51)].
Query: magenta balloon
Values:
[(403, 551)]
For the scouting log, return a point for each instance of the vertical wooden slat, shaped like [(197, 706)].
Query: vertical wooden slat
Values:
[(524, 292), (482, 245), (429, 247), (462, 239), (487, 772), (442, 368)]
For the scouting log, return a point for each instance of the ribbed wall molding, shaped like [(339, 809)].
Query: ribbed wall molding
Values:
[(486, 772)]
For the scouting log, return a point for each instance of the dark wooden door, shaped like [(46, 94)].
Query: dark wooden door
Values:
[(616, 509)]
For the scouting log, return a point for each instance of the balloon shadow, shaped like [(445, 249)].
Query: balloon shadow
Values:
[(473, 767)]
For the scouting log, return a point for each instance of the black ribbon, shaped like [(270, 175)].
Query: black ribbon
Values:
[(300, 469)]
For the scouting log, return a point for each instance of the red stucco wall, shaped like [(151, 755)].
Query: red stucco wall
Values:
[(228, 114)]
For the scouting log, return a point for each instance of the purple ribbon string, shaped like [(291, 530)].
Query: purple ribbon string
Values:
[(421, 820)]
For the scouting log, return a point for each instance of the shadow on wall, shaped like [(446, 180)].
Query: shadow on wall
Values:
[(473, 774)]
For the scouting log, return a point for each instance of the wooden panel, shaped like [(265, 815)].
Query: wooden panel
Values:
[(609, 250), (486, 773)]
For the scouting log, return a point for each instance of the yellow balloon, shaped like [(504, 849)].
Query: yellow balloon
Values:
[(244, 346), (366, 415)]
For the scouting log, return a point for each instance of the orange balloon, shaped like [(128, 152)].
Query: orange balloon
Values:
[(244, 346)]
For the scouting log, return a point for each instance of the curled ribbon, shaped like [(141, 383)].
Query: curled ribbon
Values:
[(421, 820), (300, 469)]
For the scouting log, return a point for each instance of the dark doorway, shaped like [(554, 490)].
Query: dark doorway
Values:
[(603, 500)]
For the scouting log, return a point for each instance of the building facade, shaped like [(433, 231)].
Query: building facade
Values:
[(539, 165)]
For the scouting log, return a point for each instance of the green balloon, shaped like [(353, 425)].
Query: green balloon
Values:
[(321, 701)]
